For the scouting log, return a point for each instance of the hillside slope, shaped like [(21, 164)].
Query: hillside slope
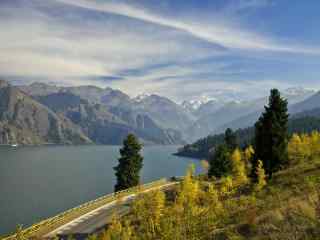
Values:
[(285, 207), (26, 121)]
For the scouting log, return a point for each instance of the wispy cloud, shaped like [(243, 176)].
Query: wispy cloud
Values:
[(132, 47), (41, 46), (214, 33)]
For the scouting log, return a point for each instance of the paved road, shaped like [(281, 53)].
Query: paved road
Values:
[(100, 217)]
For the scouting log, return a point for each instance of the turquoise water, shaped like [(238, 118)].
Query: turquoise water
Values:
[(39, 182)]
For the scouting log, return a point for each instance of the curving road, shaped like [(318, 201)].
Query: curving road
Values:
[(97, 219)]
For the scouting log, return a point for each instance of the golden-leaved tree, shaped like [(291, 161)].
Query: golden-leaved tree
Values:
[(248, 153), (187, 205), (147, 210), (296, 149), (315, 143), (261, 177), (238, 168), (114, 230), (303, 147), (306, 150)]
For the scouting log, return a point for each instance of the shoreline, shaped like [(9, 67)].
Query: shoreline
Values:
[(75, 145)]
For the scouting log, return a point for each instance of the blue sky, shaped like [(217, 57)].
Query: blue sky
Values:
[(180, 49)]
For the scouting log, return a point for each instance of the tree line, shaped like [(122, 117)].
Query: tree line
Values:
[(305, 122)]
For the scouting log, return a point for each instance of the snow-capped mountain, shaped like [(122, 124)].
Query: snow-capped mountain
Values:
[(298, 94), (194, 104), (214, 100), (141, 97), (296, 91)]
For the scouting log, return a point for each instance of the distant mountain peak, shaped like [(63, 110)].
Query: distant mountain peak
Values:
[(197, 103), (295, 91), (191, 105), (141, 97), (205, 99)]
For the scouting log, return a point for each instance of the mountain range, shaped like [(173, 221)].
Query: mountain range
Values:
[(24, 120), (42, 113)]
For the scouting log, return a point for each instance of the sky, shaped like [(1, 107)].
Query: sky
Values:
[(181, 49)]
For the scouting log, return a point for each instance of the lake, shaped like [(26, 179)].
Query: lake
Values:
[(40, 182)]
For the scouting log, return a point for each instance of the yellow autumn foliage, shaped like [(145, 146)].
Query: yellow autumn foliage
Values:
[(147, 209), (261, 177), (238, 168), (303, 147)]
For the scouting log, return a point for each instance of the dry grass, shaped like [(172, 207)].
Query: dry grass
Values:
[(287, 209)]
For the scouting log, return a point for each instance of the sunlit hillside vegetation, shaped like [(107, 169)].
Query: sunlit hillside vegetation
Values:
[(233, 207)]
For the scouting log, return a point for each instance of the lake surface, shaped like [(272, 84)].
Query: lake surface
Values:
[(40, 182)]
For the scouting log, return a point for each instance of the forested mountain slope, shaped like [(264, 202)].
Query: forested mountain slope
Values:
[(304, 122)]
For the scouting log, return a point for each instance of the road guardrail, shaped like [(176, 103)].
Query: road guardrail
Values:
[(40, 229)]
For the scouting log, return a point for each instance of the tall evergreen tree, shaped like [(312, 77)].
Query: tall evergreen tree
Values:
[(230, 139), (271, 135), (130, 164), (220, 163)]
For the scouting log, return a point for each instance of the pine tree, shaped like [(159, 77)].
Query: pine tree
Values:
[(271, 135), (130, 164), (220, 163), (230, 139)]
